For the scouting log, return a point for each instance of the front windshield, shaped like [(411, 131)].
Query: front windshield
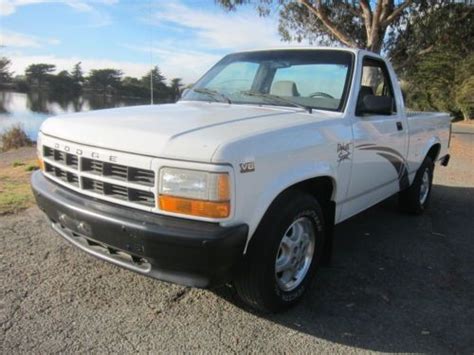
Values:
[(306, 78)]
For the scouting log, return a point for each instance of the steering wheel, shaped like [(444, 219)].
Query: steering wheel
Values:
[(321, 94)]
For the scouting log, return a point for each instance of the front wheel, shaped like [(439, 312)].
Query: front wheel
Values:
[(416, 198), (283, 254)]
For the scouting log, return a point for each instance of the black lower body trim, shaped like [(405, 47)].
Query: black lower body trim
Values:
[(191, 253)]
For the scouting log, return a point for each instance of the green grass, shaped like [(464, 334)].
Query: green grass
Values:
[(31, 167), (15, 190)]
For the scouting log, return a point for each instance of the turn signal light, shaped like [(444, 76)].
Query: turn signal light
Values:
[(200, 208)]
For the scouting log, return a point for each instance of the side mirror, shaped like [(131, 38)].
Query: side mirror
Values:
[(371, 104)]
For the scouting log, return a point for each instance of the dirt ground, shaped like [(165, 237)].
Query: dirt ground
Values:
[(397, 284)]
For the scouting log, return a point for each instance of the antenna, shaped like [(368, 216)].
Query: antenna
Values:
[(151, 56)]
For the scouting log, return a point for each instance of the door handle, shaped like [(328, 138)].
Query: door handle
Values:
[(399, 126)]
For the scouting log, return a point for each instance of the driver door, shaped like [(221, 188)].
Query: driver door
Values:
[(380, 143)]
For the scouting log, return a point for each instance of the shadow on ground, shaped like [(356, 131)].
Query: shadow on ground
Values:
[(397, 283)]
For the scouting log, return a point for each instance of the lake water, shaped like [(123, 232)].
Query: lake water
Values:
[(31, 109)]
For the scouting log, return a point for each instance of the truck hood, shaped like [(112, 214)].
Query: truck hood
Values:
[(186, 130)]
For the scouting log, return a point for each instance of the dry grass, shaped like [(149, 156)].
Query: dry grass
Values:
[(15, 190), (14, 138)]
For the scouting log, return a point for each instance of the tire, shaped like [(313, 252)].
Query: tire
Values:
[(416, 199), (258, 284)]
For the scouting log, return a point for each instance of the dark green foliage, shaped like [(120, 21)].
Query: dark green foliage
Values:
[(71, 84), (5, 74), (77, 77), (434, 58), (133, 87), (63, 84), (160, 90), (37, 74), (465, 87), (105, 80)]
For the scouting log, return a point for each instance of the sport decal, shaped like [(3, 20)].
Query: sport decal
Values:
[(343, 151), (395, 158)]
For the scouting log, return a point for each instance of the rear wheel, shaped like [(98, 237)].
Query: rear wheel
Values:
[(283, 254), (416, 198)]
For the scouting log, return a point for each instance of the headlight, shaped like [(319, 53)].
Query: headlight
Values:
[(193, 192)]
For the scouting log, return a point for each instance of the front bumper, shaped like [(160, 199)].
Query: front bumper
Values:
[(191, 253)]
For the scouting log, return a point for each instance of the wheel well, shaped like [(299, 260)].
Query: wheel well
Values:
[(434, 152), (322, 188)]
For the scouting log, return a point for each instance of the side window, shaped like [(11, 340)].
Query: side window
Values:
[(376, 80)]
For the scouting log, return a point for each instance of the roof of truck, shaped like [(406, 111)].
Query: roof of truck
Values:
[(344, 49)]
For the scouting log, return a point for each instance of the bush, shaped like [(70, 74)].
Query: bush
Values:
[(14, 138)]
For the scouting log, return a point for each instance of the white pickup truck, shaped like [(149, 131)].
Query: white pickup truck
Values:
[(242, 180)]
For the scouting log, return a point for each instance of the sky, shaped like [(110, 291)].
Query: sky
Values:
[(183, 37)]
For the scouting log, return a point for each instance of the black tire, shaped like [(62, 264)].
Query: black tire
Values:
[(256, 283), (410, 200)]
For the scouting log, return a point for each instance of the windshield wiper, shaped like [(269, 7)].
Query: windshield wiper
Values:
[(212, 93), (277, 98)]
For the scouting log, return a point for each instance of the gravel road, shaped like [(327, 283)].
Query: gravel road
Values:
[(397, 284)]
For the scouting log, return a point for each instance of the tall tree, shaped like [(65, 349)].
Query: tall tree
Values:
[(5, 74), (160, 90), (434, 57), (62, 84), (360, 24), (449, 28), (77, 74), (104, 80), (39, 73), (158, 78)]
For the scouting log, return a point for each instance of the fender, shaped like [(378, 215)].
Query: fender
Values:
[(422, 154), (429, 144), (288, 178)]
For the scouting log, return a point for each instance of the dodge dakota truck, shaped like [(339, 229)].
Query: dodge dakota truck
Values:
[(242, 181)]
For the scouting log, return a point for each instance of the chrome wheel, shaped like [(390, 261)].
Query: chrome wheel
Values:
[(425, 186), (295, 254)]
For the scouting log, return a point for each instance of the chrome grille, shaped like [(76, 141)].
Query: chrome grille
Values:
[(62, 174), (97, 177), (118, 172), (61, 157)]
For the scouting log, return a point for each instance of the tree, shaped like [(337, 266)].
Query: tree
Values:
[(133, 87), (359, 24), (175, 88), (5, 74), (450, 28), (104, 79), (62, 84), (158, 77), (77, 76), (39, 73), (434, 57), (465, 87), (160, 90)]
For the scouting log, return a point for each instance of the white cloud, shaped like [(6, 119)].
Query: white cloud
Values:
[(219, 29), (15, 39), (176, 62), (8, 7)]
